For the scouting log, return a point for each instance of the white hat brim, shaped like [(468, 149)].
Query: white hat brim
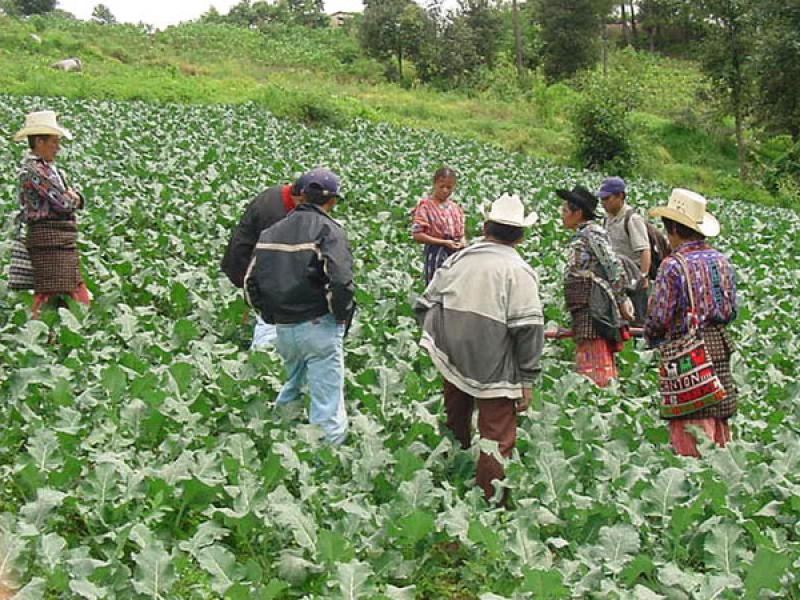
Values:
[(23, 133), (709, 226)]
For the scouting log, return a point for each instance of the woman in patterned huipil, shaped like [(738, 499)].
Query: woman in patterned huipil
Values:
[(438, 222), (48, 206), (590, 262), (713, 282)]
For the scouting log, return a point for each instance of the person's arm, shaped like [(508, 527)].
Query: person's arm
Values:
[(644, 265), (526, 327), (424, 238), (640, 244), (338, 266), (663, 301), (60, 201)]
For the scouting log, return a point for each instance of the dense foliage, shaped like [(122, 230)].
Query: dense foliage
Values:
[(140, 458)]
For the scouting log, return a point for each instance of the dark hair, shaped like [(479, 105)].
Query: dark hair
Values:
[(681, 230), (504, 233), (313, 193), (587, 215), (443, 173), (32, 139)]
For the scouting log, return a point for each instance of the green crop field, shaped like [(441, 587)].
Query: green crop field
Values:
[(139, 455)]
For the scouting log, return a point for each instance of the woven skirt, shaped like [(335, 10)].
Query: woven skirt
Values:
[(53, 249)]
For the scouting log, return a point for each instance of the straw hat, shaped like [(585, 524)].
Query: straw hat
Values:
[(509, 210), (41, 123), (688, 208)]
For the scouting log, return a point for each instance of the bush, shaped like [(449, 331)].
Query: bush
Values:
[(604, 130), (779, 159)]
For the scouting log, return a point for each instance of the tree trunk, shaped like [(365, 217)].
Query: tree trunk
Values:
[(605, 49), (634, 30), (741, 147), (653, 35), (517, 39), (626, 32), (400, 62)]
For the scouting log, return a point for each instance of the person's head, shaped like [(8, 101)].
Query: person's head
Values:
[(296, 188), (678, 233), (43, 134), (578, 206), (444, 182), (509, 235), (321, 188), (506, 221), (45, 146), (612, 194)]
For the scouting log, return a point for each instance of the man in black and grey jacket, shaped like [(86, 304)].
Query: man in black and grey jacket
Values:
[(301, 279)]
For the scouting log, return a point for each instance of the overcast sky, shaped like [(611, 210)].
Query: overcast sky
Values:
[(168, 12)]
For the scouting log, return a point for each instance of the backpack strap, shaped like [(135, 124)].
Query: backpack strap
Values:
[(628, 214)]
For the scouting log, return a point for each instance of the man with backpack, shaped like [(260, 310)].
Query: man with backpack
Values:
[(632, 236)]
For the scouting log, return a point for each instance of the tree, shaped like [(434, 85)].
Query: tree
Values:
[(485, 23), (103, 15), (309, 13), (391, 28), (518, 47), (777, 62), (34, 7), (570, 34), (728, 45)]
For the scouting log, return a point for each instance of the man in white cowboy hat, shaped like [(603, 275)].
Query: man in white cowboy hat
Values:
[(483, 327), (700, 279), (48, 206)]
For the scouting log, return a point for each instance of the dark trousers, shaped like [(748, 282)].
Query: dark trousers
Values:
[(639, 299), (497, 421)]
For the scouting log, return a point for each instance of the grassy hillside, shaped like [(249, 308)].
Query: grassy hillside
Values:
[(323, 77)]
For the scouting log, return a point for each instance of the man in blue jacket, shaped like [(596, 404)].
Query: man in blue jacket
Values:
[(301, 279)]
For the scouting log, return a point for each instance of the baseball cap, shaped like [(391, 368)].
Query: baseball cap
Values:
[(611, 186), (321, 184)]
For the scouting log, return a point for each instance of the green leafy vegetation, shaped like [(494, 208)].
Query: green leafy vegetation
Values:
[(140, 456)]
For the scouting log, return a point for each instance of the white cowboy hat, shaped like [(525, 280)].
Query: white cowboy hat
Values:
[(688, 208), (508, 210), (41, 123)]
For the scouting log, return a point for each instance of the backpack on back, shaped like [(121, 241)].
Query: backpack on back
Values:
[(659, 246)]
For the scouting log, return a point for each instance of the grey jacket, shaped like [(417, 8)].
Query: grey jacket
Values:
[(482, 321)]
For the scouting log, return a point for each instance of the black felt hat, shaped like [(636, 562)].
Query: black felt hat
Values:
[(581, 197)]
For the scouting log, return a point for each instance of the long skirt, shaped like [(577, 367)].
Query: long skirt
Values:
[(53, 249), (434, 257), (685, 444), (595, 360)]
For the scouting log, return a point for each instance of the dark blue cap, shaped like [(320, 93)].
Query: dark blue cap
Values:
[(611, 186), (321, 182)]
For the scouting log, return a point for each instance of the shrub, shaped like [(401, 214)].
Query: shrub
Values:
[(604, 131)]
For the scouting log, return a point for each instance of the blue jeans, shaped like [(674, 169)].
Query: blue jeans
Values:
[(264, 334), (313, 352)]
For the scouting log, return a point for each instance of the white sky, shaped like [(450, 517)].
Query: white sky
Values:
[(162, 13)]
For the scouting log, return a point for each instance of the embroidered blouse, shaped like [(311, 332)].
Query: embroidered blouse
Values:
[(713, 282), (590, 248), (443, 220), (42, 192)]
